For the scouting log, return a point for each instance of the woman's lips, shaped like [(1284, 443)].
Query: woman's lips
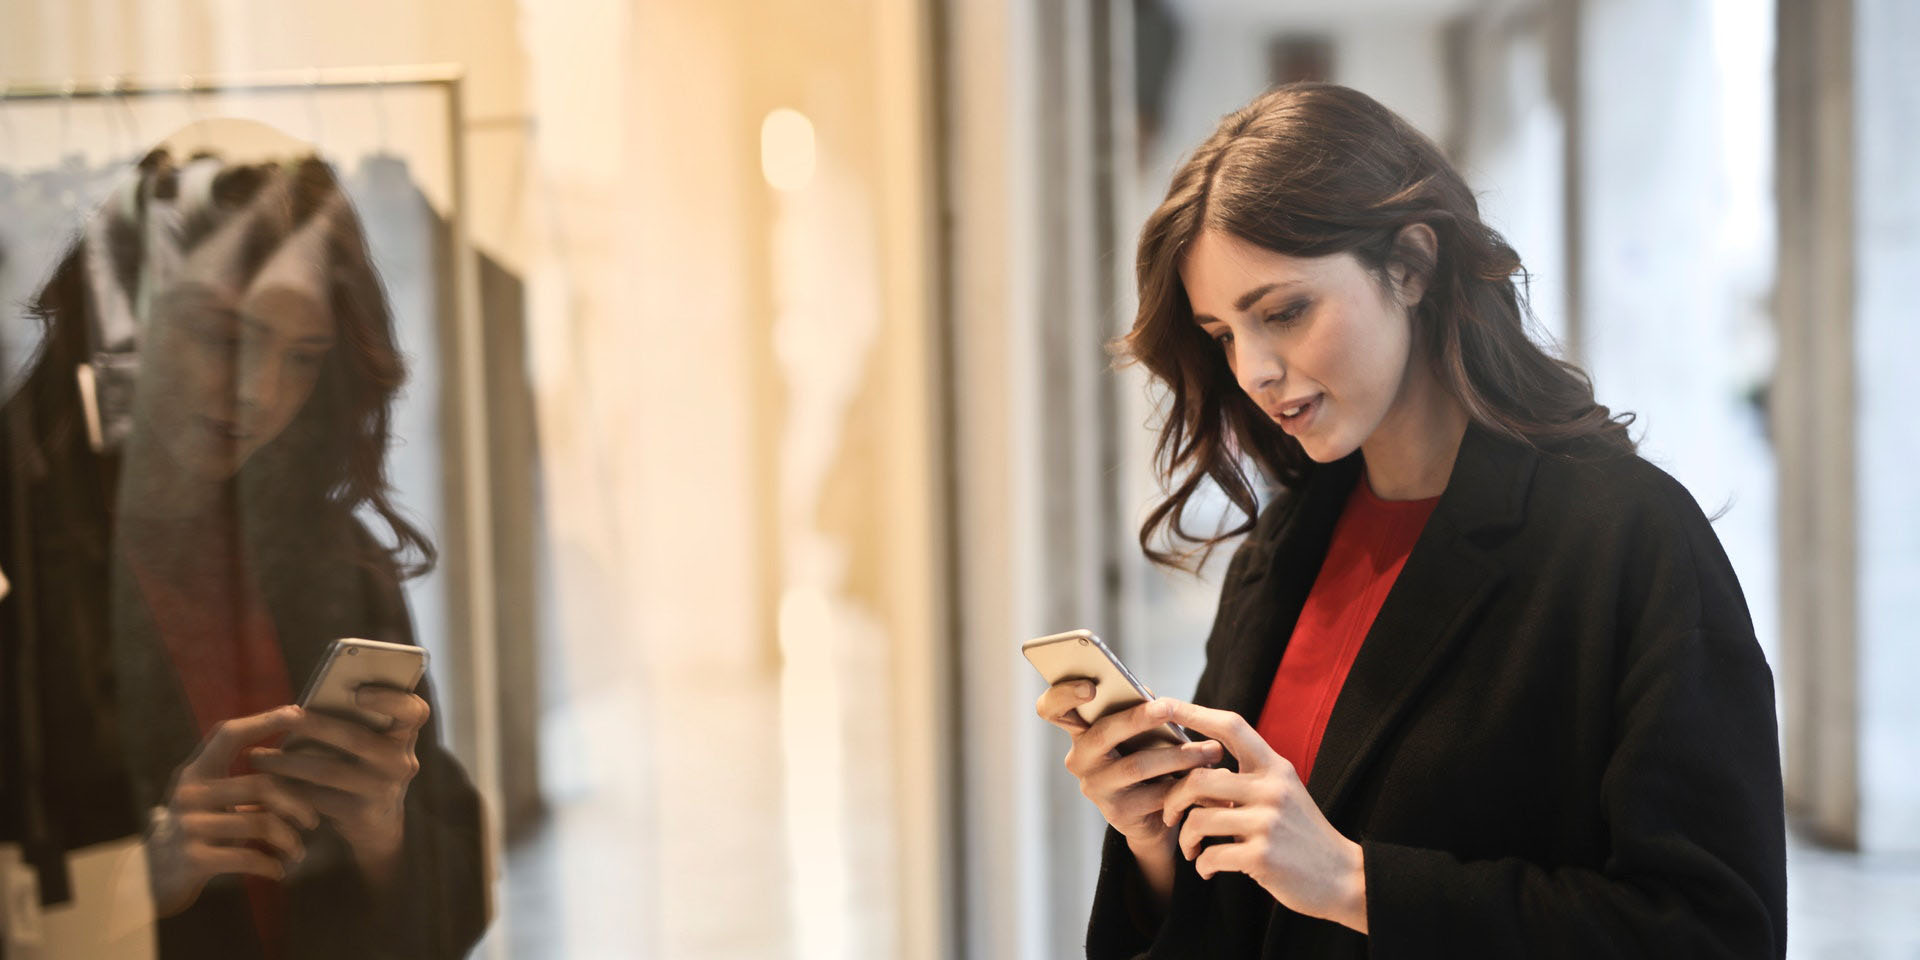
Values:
[(223, 429), (1302, 415)]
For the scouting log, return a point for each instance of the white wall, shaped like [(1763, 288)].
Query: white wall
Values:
[(1887, 338)]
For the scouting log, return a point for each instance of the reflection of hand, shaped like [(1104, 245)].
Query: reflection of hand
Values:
[(361, 788), (212, 822), (1277, 834)]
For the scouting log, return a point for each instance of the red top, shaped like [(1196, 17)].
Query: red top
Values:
[(1370, 545), (213, 624)]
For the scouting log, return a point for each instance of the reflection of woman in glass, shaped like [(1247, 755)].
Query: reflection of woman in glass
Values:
[(1482, 682), (196, 540)]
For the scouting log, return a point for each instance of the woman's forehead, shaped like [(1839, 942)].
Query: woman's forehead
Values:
[(296, 311), (1219, 270), (290, 287)]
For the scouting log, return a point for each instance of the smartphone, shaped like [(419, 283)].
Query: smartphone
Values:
[(352, 663), (1079, 655)]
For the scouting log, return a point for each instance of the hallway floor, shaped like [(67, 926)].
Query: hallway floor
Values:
[(1841, 906)]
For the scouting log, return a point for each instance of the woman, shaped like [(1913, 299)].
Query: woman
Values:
[(188, 540), (1482, 682)]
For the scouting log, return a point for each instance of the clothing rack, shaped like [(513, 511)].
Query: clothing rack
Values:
[(476, 737), (282, 81)]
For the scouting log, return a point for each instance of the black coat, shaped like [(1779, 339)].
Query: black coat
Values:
[(1557, 740), (94, 720)]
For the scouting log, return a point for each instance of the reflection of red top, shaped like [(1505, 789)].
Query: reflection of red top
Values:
[(214, 626), (1370, 545)]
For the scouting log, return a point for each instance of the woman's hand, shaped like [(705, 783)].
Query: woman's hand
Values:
[(1129, 790), (1278, 835), (361, 784), (214, 823)]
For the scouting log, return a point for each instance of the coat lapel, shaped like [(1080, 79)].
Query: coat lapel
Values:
[(1268, 596), (1445, 581)]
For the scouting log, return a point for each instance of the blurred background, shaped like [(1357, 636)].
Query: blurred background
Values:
[(760, 405)]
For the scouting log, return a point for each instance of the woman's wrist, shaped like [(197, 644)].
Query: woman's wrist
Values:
[(1350, 906), (1153, 860), (376, 851)]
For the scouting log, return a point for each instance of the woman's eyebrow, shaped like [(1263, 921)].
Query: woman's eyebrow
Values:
[(1249, 298), (255, 324), (200, 293)]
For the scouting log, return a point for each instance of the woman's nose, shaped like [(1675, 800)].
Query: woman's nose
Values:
[(259, 382), (1259, 371)]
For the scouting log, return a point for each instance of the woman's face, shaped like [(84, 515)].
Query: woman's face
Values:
[(1315, 342), (229, 361)]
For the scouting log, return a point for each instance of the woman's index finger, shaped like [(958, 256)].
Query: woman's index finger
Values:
[(1116, 728), (225, 742), (1063, 699), (1231, 729), (408, 711)]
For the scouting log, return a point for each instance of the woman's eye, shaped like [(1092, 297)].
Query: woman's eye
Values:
[(1288, 315), (308, 360), (1224, 338), (214, 333)]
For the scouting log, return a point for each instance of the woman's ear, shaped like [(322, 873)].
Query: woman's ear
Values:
[(1416, 251)]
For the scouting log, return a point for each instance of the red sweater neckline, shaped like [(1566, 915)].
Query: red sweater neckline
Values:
[(1371, 543)]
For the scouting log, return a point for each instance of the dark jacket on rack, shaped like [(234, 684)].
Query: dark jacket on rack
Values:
[(1558, 738), (94, 721)]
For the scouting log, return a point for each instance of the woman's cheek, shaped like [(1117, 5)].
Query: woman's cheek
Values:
[(172, 379), (206, 372), (300, 386)]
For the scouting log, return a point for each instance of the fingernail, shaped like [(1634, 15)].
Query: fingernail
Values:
[(1084, 688)]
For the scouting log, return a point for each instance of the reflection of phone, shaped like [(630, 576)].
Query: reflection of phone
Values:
[(351, 664), (1079, 655)]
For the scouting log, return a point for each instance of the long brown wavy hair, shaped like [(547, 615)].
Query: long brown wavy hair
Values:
[(329, 464), (1313, 170)]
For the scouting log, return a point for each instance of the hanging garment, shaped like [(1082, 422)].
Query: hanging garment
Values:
[(41, 213)]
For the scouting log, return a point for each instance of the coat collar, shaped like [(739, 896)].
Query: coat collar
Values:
[(1446, 579), (1487, 490)]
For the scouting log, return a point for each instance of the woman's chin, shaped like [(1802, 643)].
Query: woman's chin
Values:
[(1322, 450), (206, 460)]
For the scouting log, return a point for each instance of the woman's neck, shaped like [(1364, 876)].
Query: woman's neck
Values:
[(1410, 455), (154, 486)]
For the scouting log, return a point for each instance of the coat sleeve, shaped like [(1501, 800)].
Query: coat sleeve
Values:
[(1693, 802), (443, 864), (444, 905), (1119, 928), (439, 907), (1115, 931)]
